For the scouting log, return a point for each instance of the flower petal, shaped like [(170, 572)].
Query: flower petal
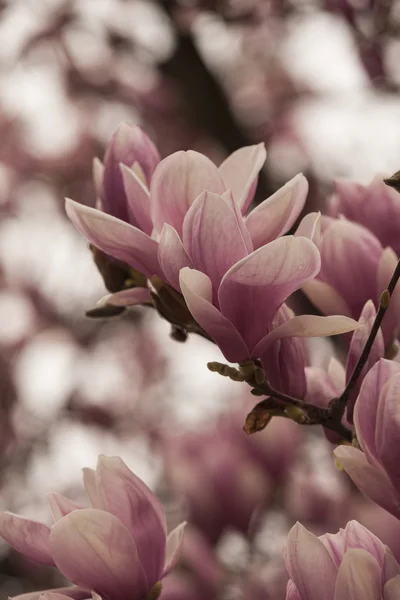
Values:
[(350, 255), (284, 361), (174, 547), (172, 255), (116, 238), (70, 591), (128, 297), (391, 591), (307, 326), (359, 577), (240, 172), (358, 536), (135, 505), (370, 480), (309, 565), (178, 180), (61, 505), (366, 407), (387, 430), (94, 550), (52, 596), (357, 344), (138, 200), (254, 288), (212, 237), (98, 174), (310, 227), (276, 215), (128, 144), (31, 538), (90, 483), (244, 232), (197, 290), (326, 298)]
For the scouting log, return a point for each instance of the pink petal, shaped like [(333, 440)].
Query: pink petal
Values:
[(90, 483), (61, 505), (366, 407), (310, 227), (174, 548), (28, 537), (138, 200), (276, 215), (391, 567), (67, 592), (98, 174), (240, 172), (172, 255), (128, 297), (350, 256), (370, 480), (128, 144), (358, 536), (252, 290), (197, 291), (135, 505), (95, 551), (212, 236), (326, 298), (307, 326), (116, 238), (357, 344), (284, 361), (391, 320), (244, 232), (387, 430), (53, 596), (309, 565), (391, 591), (359, 577), (292, 592), (178, 180)]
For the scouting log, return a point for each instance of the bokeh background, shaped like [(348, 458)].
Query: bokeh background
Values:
[(318, 82)]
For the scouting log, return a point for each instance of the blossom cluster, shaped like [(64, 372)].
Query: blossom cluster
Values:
[(176, 235)]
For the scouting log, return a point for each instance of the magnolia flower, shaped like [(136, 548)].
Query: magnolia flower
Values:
[(233, 273), (376, 470), (354, 268), (375, 206), (352, 564), (145, 205), (118, 548)]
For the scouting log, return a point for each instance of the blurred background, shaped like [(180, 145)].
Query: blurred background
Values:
[(318, 82)]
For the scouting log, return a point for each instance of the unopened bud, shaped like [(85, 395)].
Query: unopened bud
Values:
[(259, 376), (155, 591), (296, 414), (385, 299)]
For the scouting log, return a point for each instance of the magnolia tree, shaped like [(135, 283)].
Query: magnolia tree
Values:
[(178, 237)]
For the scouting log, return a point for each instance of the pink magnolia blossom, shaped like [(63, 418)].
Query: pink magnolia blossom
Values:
[(376, 469), (233, 273), (352, 564), (118, 548), (375, 206), (354, 268)]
